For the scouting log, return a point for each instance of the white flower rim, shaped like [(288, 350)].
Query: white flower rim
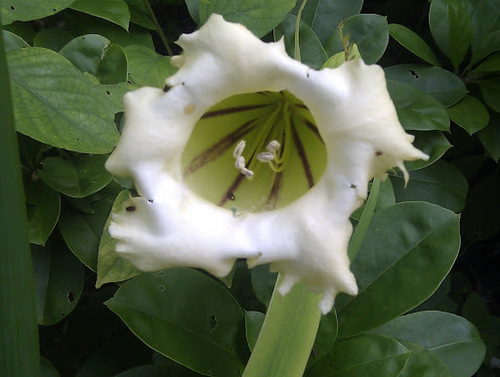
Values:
[(306, 240)]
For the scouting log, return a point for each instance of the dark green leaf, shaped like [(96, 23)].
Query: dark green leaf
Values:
[(490, 89), (142, 371), (476, 311), (325, 338), (364, 355), (259, 16), (443, 85), (52, 38), (79, 176), (432, 143), (369, 32), (27, 10), (470, 114), (405, 255), (451, 27), (263, 282), (452, 338), (56, 104), (139, 14), (253, 324), (324, 16), (115, 11), (86, 52), (490, 64), (58, 281), (47, 369), (413, 42), (147, 68), (184, 315), (423, 363), (113, 67), (43, 208), (312, 52), (440, 183), (13, 41), (194, 9), (416, 109), (490, 137), (485, 22), (110, 266)]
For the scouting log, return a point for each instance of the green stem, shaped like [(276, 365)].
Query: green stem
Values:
[(19, 355), (297, 31), (287, 336), (158, 27)]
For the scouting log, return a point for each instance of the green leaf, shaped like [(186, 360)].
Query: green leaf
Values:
[(110, 266), (115, 11), (490, 137), (113, 67), (364, 355), (147, 68), (452, 338), (485, 22), (324, 16), (52, 38), (13, 41), (312, 52), (144, 370), (77, 177), (253, 325), (82, 231), (476, 311), (416, 109), (405, 255), (423, 363), (325, 338), (263, 282), (47, 369), (56, 104), (490, 89), (433, 143), (443, 85), (490, 64), (470, 114), (28, 10), (58, 281), (413, 42), (43, 209), (184, 315), (440, 183), (451, 27), (259, 16), (139, 14), (369, 32)]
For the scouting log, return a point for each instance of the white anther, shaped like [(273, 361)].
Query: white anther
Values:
[(247, 173), (239, 163), (239, 149), (265, 157), (273, 146)]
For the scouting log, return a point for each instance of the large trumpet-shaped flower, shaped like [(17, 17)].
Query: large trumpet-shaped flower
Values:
[(267, 121)]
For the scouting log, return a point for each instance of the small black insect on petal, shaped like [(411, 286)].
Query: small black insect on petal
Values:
[(130, 208)]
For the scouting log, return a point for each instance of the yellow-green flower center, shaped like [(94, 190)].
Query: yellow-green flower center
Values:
[(254, 152)]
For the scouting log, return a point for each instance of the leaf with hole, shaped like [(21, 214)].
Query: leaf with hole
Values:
[(28, 10)]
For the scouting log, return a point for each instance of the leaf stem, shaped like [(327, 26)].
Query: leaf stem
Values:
[(158, 27), (297, 31)]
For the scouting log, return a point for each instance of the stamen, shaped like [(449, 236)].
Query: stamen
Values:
[(239, 163), (273, 146), (239, 149), (247, 173), (265, 157)]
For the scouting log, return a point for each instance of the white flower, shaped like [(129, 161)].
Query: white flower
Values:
[(306, 240)]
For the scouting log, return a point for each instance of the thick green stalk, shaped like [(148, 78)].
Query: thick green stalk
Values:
[(297, 31), (287, 336), (19, 355)]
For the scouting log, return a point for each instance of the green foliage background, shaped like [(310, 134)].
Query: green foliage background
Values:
[(427, 266)]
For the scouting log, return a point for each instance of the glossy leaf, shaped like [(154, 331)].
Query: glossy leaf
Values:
[(324, 16), (416, 109), (423, 363), (201, 334), (110, 266), (490, 64), (139, 14), (77, 177), (43, 208), (470, 114), (369, 32), (486, 38), (443, 85), (86, 52), (82, 231), (440, 183), (433, 143), (58, 281), (364, 355), (263, 282), (56, 104), (13, 41), (253, 325), (52, 38), (147, 68), (312, 52), (27, 10), (325, 338), (258, 16), (490, 136), (413, 43), (115, 11), (490, 89), (451, 27), (451, 338), (405, 255)]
